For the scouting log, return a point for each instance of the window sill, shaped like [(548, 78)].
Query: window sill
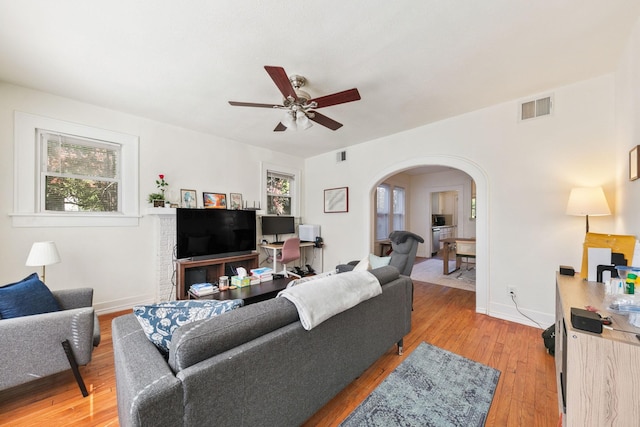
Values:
[(73, 220)]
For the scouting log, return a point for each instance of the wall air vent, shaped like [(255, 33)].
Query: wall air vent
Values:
[(536, 108), (341, 156)]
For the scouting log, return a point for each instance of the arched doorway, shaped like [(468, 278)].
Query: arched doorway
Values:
[(482, 212)]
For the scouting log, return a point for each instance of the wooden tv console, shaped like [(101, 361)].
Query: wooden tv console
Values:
[(597, 375), (213, 268)]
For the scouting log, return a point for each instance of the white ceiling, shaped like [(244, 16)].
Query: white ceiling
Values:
[(414, 62)]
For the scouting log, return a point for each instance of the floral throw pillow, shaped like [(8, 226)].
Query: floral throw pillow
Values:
[(159, 321)]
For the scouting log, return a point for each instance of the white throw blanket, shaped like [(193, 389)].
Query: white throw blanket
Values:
[(318, 300)]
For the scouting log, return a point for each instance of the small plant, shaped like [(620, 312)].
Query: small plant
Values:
[(161, 184), (155, 196)]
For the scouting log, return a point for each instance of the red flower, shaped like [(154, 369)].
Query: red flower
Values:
[(161, 176)]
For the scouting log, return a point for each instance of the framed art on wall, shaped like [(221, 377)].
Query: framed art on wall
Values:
[(235, 201), (214, 200), (336, 200), (188, 198), (633, 163)]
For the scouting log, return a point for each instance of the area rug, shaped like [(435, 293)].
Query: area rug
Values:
[(431, 387), (430, 271)]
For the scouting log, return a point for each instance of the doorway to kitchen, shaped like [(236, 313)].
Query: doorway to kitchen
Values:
[(420, 214)]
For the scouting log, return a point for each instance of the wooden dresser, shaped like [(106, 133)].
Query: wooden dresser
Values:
[(598, 375)]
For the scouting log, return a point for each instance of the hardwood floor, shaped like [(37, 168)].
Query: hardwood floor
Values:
[(525, 396)]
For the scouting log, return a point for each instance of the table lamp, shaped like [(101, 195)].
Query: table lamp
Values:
[(585, 201), (43, 254)]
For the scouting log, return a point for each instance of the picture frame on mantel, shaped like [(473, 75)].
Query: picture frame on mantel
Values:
[(634, 163), (188, 198), (235, 201), (336, 200), (214, 200)]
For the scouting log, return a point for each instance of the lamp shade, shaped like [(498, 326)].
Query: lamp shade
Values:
[(584, 201), (43, 253)]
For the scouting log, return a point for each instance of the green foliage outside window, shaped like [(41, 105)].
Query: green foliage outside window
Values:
[(80, 175), (278, 194)]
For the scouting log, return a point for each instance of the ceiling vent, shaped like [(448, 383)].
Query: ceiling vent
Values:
[(536, 108)]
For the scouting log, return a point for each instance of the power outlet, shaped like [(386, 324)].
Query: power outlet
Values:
[(511, 291)]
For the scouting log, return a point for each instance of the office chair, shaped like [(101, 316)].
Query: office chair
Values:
[(290, 252)]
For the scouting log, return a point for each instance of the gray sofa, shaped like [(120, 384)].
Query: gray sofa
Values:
[(255, 366)]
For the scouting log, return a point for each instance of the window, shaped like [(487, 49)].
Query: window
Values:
[(279, 193), (398, 208), (78, 174), (390, 210), (73, 175), (383, 203), (280, 188)]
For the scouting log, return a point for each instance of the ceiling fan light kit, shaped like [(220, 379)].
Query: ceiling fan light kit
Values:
[(298, 104)]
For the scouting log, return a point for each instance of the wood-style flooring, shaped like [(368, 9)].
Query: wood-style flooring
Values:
[(525, 396)]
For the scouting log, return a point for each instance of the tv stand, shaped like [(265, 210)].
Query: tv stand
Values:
[(189, 271)]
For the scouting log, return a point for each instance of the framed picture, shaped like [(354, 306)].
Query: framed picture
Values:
[(214, 200), (336, 200), (235, 201), (188, 198), (633, 163)]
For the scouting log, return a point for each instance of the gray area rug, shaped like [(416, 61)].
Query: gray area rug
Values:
[(430, 271), (431, 387)]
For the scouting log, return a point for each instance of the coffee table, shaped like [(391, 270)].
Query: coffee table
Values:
[(250, 294)]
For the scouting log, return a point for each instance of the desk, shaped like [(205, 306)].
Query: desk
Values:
[(445, 252), (275, 248)]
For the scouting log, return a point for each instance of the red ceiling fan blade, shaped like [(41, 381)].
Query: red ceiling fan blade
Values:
[(280, 128), (280, 78), (337, 98), (252, 104), (325, 121)]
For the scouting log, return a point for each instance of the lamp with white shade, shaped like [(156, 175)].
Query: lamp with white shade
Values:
[(43, 254), (585, 201)]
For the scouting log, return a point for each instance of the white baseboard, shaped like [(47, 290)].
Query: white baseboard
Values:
[(510, 313), (122, 304)]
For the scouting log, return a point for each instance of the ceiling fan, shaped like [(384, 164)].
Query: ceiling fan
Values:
[(298, 106)]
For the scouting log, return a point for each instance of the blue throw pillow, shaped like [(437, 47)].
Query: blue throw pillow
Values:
[(160, 320), (25, 298)]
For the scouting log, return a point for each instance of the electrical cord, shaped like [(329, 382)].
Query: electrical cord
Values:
[(513, 298)]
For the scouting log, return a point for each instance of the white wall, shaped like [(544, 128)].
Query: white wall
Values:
[(627, 135), (524, 173), (120, 262)]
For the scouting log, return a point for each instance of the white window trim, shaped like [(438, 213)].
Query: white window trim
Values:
[(295, 191), (26, 180)]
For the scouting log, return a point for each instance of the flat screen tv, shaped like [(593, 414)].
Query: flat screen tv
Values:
[(274, 225), (214, 233)]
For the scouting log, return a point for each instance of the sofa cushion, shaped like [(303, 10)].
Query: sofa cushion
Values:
[(378, 261), (197, 341), (26, 297), (159, 321), (363, 265)]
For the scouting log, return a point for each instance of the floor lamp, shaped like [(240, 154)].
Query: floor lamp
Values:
[(585, 201), (43, 254)]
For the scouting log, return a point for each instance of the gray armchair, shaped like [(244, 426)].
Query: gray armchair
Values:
[(404, 246), (44, 344)]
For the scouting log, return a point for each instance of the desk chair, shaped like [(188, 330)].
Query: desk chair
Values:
[(465, 249), (290, 252)]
